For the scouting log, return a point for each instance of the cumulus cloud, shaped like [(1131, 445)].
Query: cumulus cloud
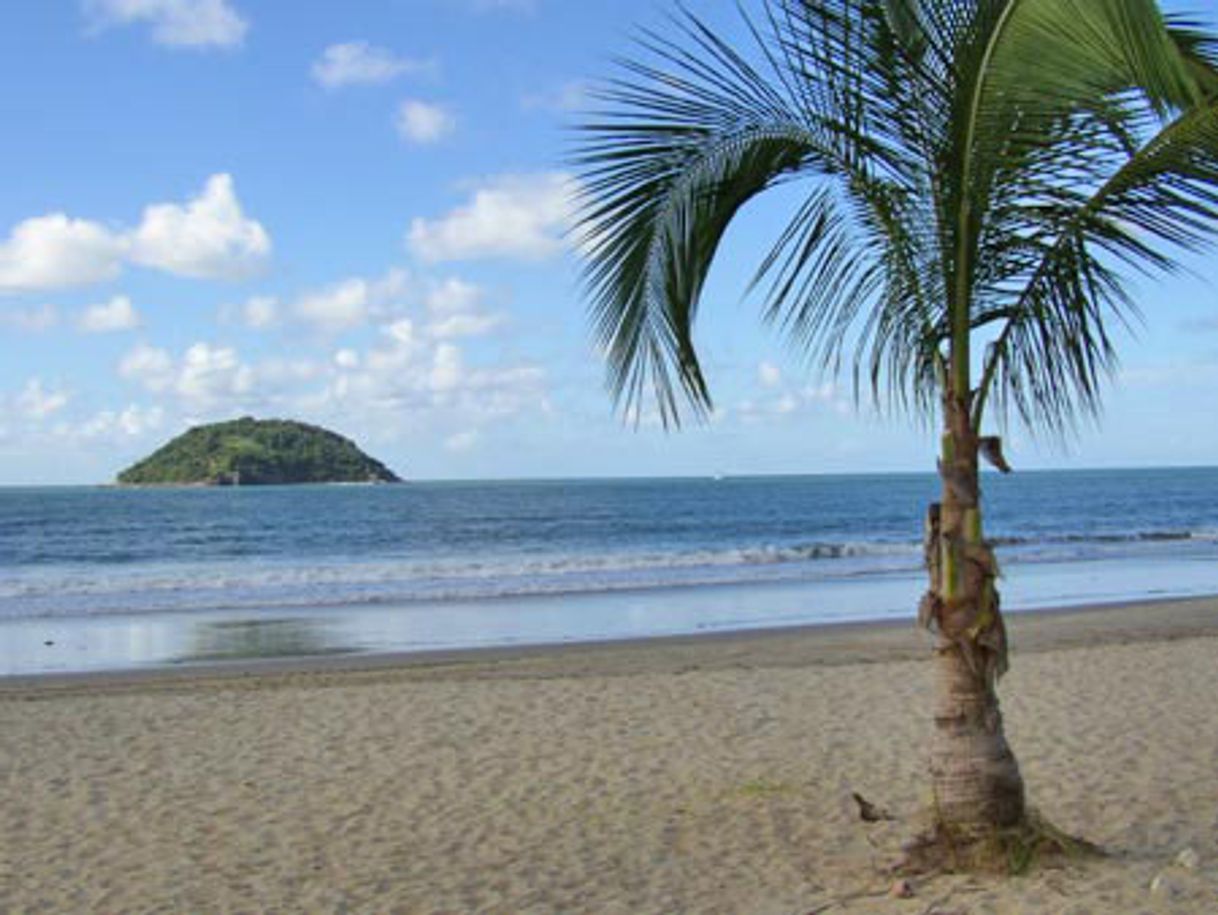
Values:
[(413, 376), (512, 216), (769, 374), (148, 365), (51, 251), (132, 421), (259, 312), (352, 63), (339, 307), (452, 296), (351, 302), (407, 381), (36, 402), (212, 373), (422, 122), (452, 306), (463, 325), (210, 379), (783, 401), (406, 307), (414, 373), (447, 368), (208, 237), (401, 332), (107, 317), (175, 23)]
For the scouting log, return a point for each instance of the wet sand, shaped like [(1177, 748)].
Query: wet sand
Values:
[(708, 774)]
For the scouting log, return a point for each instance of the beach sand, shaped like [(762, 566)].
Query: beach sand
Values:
[(680, 775)]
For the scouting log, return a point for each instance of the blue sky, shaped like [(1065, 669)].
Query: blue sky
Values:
[(353, 214)]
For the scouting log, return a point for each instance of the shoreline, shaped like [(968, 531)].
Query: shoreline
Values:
[(828, 644), (708, 774)]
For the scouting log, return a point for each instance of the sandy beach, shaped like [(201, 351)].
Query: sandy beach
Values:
[(682, 775)]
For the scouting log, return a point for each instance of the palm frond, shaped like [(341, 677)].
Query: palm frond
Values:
[(972, 165), (1047, 360), (1199, 50), (691, 138)]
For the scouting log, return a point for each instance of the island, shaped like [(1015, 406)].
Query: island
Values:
[(250, 451)]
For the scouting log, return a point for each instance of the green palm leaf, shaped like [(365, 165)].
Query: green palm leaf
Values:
[(954, 153)]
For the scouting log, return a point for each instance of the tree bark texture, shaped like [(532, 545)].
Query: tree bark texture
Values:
[(976, 780)]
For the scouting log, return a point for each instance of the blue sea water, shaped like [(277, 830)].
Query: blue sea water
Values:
[(129, 577)]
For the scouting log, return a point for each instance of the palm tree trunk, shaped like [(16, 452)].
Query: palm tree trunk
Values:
[(976, 780)]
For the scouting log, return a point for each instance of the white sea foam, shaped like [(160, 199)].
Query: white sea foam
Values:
[(72, 590)]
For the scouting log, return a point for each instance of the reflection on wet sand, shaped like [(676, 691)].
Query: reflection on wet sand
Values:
[(222, 640)]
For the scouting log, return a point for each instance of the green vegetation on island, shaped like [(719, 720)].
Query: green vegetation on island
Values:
[(250, 451)]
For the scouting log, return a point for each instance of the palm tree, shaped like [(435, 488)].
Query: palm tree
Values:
[(978, 173)]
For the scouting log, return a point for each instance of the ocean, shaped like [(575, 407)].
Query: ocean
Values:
[(97, 577)]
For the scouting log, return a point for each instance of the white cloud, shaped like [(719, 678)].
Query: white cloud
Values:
[(447, 369), (209, 237), (462, 441), (51, 251), (38, 403), (34, 320), (413, 378), (132, 421), (515, 216), (785, 401), (260, 312), (353, 63), (338, 307), (149, 365), (401, 331), (212, 380), (828, 395), (416, 376), (213, 373), (351, 302), (499, 392), (452, 305), (452, 296), (107, 317), (462, 325), (175, 23), (422, 122), (391, 289), (769, 374)]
